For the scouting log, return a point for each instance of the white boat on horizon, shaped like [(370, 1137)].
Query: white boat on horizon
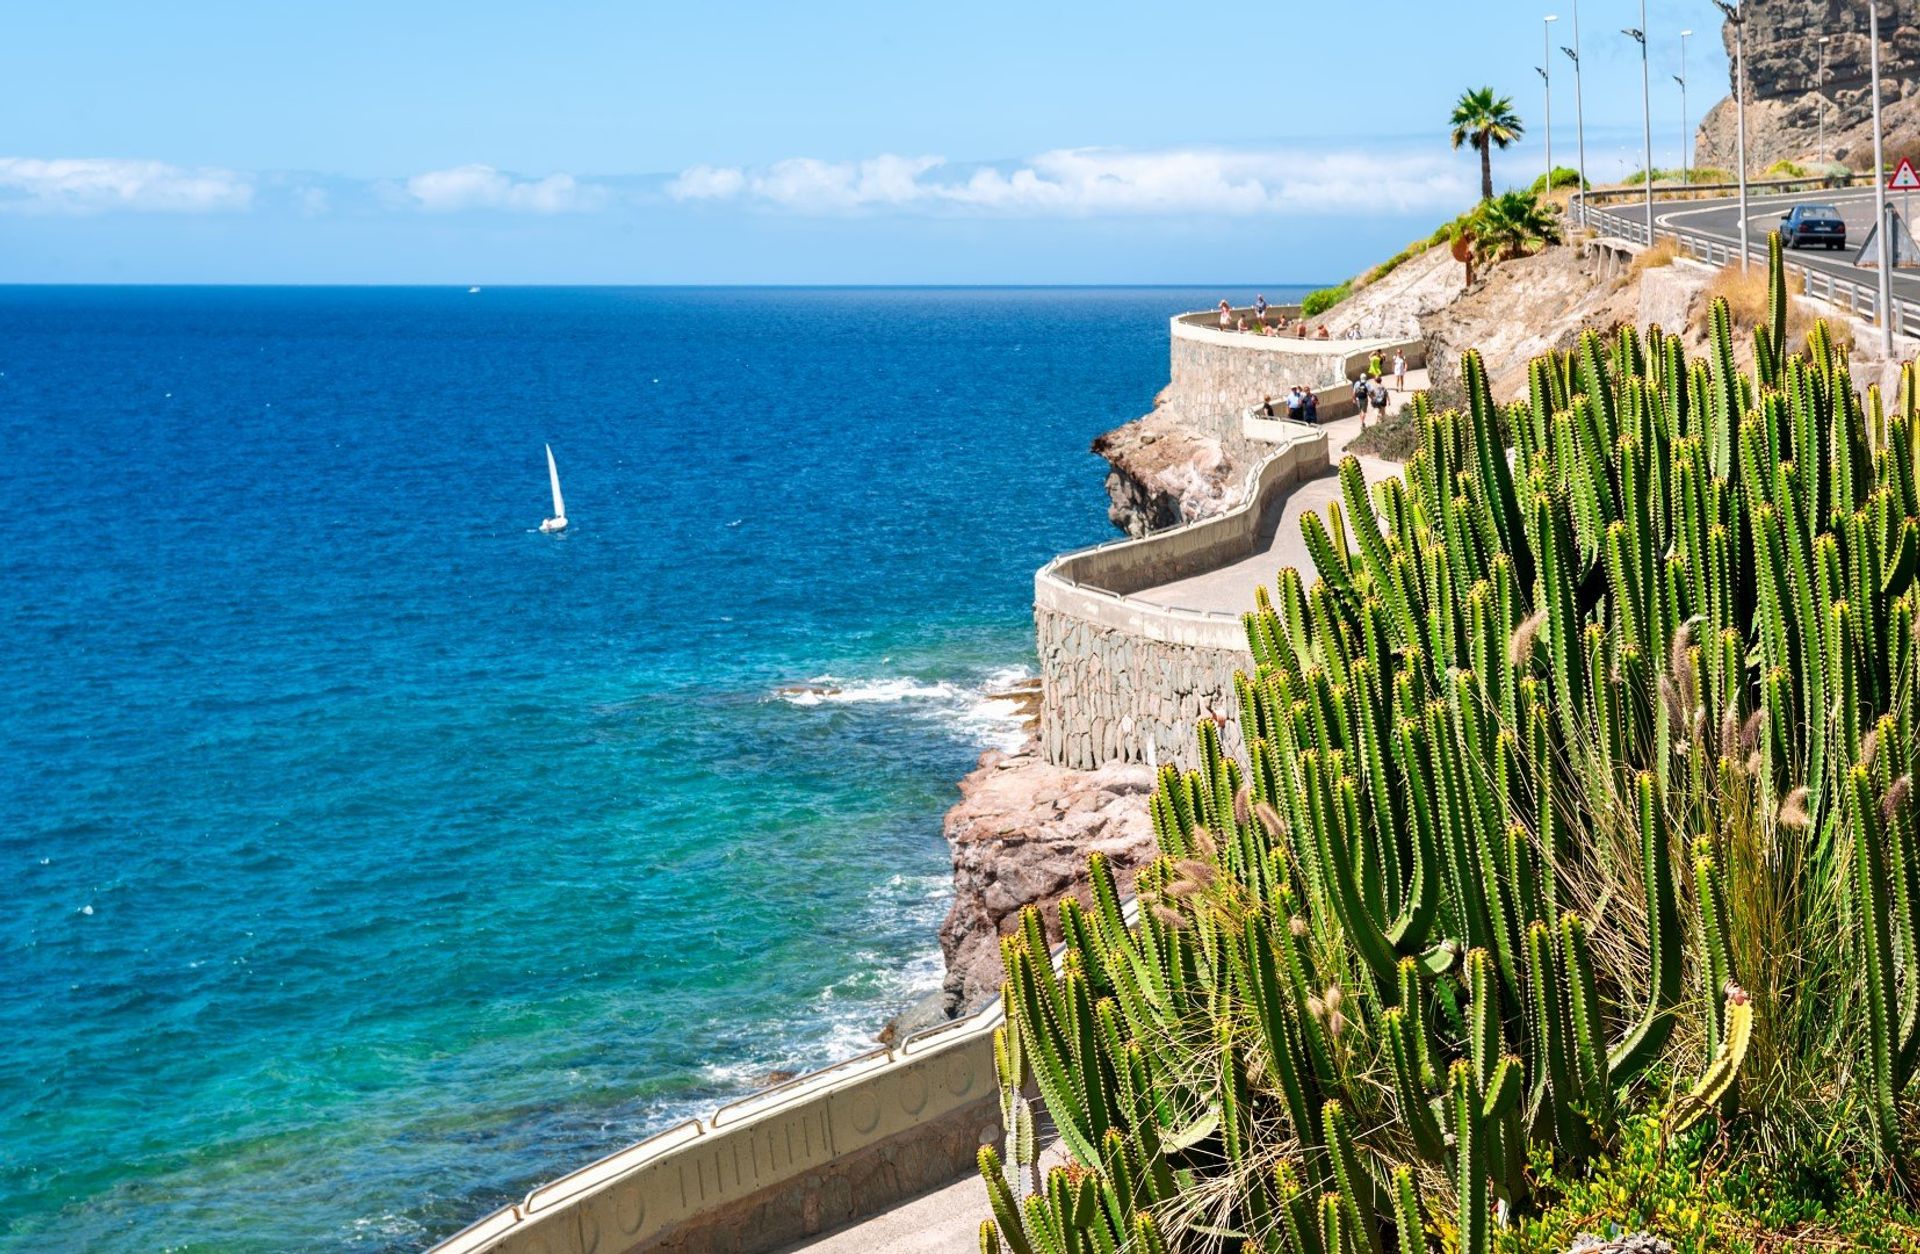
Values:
[(559, 520), (472, 291)]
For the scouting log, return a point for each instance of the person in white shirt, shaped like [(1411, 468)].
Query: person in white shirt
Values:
[(1399, 371)]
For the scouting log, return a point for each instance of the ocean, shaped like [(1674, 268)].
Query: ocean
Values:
[(370, 856)]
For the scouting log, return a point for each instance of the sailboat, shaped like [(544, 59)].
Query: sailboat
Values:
[(559, 520)]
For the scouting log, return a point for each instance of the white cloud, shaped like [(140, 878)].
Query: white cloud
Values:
[(104, 184), (1092, 182), (483, 187)]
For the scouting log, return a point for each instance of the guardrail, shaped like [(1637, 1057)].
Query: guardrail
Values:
[(717, 1184), (1862, 300)]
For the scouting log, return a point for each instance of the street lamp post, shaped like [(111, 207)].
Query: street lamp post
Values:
[(1739, 21), (1579, 110), (1681, 78), (1546, 83), (1821, 84), (1646, 115), (1880, 187)]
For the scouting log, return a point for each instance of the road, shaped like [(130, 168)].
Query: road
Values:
[(1720, 220)]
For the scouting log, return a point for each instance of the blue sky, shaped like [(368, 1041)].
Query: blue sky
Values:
[(759, 143)]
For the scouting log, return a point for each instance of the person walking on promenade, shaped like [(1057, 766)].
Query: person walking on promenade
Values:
[(1373, 365), (1360, 397), (1310, 406), (1226, 316), (1260, 308), (1294, 403), (1399, 371), (1377, 393)]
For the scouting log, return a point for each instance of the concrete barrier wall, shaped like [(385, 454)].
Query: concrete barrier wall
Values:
[(1216, 374), (796, 1160), (1118, 672)]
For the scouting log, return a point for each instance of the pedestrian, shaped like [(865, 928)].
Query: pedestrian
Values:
[(1226, 316), (1399, 371), (1294, 403), (1310, 406), (1377, 393), (1260, 308), (1360, 397), (1373, 365), (1243, 323), (1266, 406)]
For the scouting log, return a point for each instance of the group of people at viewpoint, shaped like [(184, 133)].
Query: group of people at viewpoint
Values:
[(1370, 391), (1262, 324)]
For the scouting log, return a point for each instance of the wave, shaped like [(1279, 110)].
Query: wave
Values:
[(986, 711)]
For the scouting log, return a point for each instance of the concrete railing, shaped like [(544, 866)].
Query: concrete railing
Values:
[(804, 1157), (801, 1158), (1096, 583), (1210, 318), (1292, 359), (1124, 679)]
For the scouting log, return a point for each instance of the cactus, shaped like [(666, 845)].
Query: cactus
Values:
[(1544, 743)]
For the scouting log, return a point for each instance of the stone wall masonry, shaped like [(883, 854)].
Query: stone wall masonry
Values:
[(1217, 374), (1109, 692), (1119, 673)]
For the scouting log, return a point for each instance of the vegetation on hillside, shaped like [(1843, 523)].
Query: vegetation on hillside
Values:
[(1571, 875)]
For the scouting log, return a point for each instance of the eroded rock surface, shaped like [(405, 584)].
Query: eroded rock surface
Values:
[(1785, 95), (1021, 834)]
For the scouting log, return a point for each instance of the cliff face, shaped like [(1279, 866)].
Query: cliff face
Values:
[(1785, 95)]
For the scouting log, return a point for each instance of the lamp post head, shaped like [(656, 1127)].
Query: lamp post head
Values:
[(1731, 10), (1571, 54), (1685, 33), (1681, 81), (1551, 17), (1635, 35)]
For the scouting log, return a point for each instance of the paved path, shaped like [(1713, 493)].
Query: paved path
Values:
[(945, 1221), (1229, 590)]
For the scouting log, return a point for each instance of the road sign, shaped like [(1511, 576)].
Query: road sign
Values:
[(1905, 177)]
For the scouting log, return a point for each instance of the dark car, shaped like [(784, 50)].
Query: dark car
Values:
[(1813, 224)]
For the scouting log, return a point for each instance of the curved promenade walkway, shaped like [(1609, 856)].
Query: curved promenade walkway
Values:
[(1230, 588)]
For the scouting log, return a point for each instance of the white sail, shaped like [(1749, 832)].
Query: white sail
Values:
[(553, 474)]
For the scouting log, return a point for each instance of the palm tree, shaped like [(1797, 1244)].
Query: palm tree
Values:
[(1509, 225), (1485, 120)]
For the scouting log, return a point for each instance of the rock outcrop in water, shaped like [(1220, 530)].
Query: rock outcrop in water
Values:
[(1785, 97), (1021, 834)]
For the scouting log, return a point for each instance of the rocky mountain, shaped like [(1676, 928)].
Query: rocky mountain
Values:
[(1787, 93)]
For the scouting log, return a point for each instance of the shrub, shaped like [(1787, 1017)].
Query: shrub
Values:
[(1577, 793), (1319, 301), (1784, 169), (1562, 177)]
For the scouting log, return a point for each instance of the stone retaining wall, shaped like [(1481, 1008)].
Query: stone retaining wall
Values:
[(1217, 374), (1109, 692), (1117, 672)]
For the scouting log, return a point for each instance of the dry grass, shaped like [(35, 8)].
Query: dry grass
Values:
[(1661, 254), (1746, 295)]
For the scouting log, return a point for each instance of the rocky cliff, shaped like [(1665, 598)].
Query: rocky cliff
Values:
[(1786, 95), (1021, 835)]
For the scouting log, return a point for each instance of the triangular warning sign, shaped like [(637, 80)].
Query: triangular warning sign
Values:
[(1905, 177), (1905, 252)]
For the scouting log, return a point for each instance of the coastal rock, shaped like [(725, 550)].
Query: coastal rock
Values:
[(1020, 835), (1163, 473), (1785, 98)]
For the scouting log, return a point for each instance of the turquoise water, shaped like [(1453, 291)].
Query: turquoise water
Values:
[(372, 856)]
